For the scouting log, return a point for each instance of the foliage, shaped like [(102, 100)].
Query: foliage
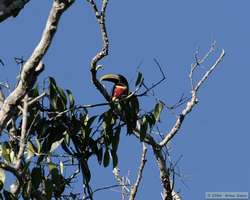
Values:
[(63, 135)]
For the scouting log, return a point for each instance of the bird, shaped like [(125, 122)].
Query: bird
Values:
[(125, 104), (120, 89)]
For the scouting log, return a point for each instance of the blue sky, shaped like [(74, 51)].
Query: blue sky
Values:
[(214, 140)]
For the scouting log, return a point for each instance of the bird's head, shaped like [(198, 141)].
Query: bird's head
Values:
[(120, 88)]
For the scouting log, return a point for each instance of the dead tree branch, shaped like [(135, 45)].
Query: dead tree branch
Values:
[(124, 182), (199, 62), (33, 67), (23, 138), (155, 84), (134, 188), (191, 103), (100, 16), (2, 97), (104, 188), (164, 175)]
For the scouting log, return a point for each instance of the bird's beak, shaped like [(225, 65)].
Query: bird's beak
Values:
[(110, 77)]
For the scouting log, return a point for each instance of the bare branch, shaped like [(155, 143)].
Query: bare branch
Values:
[(198, 61), (33, 67), (100, 16), (164, 175), (104, 188), (23, 138), (191, 103), (2, 97), (37, 98), (59, 114), (206, 75), (124, 182), (155, 84), (134, 188)]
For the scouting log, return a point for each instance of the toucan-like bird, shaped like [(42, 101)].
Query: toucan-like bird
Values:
[(120, 89), (127, 109)]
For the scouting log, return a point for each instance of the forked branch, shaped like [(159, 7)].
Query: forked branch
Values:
[(33, 67), (100, 16), (192, 102)]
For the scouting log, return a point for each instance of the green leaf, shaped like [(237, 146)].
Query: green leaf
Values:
[(58, 182), (55, 176), (143, 128), (107, 125), (52, 166), (36, 177), (71, 99), (34, 92), (86, 171), (106, 158), (107, 118), (60, 105), (6, 150), (116, 139), (139, 79), (65, 147), (53, 93), (52, 81), (134, 104), (48, 189), (61, 167), (58, 99), (26, 191), (151, 120), (62, 96), (55, 145), (39, 146), (66, 138), (90, 121), (12, 156), (2, 178), (157, 111), (59, 186), (99, 155), (114, 158), (1, 185), (30, 151), (8, 196)]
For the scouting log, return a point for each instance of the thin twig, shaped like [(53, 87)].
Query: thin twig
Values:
[(2, 97), (122, 181), (59, 114), (199, 62), (105, 188), (134, 188), (37, 98), (100, 16), (155, 84), (206, 75), (191, 103)]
